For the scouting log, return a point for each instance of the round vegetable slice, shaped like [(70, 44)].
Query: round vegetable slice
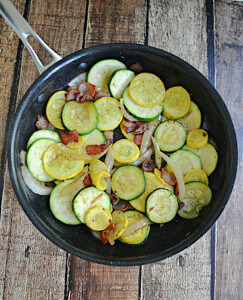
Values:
[(97, 218), (196, 193), (43, 133), (147, 90), (121, 222), (152, 183), (196, 175), (140, 235), (139, 112), (197, 138), (99, 174), (82, 117), (128, 182), (87, 198), (99, 75), (119, 80), (125, 151), (54, 109), (170, 135), (161, 206), (61, 206), (176, 103), (59, 166), (34, 159), (110, 113), (192, 120)]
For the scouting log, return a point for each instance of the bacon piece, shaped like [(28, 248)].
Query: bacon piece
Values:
[(96, 149), (108, 136), (136, 68), (148, 165), (68, 137), (87, 181), (87, 87), (168, 177), (42, 122), (142, 127), (138, 139), (131, 128), (72, 94), (99, 95)]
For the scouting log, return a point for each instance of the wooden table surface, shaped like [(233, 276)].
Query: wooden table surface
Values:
[(209, 35)]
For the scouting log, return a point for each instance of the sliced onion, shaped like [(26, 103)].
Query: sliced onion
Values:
[(128, 124), (175, 169), (146, 141), (34, 185), (109, 159), (75, 185), (142, 158), (126, 114), (113, 170), (96, 234), (158, 158), (136, 226), (74, 83), (108, 189), (22, 157), (159, 117)]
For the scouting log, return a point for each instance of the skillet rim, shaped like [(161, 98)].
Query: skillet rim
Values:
[(188, 241)]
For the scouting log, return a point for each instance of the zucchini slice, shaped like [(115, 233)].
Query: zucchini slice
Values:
[(161, 206), (119, 81), (196, 193), (139, 236), (61, 206), (96, 137), (152, 184), (125, 151), (176, 103), (170, 135), (43, 133), (140, 112), (34, 159), (128, 182), (185, 160), (192, 120), (87, 198), (147, 90), (83, 116), (99, 75), (110, 113), (208, 155), (97, 218)]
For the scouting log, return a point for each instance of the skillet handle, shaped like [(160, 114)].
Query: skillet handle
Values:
[(24, 30)]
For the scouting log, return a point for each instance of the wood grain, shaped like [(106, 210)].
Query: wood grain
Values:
[(33, 267), (179, 27), (229, 74), (106, 25)]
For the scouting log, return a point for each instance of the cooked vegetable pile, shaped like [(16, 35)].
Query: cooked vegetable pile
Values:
[(119, 188)]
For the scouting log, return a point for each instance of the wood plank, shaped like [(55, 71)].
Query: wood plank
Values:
[(229, 66), (89, 280), (33, 267), (180, 28)]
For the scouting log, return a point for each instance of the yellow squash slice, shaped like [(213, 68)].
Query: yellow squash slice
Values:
[(125, 151), (110, 113), (97, 218), (176, 103), (196, 175), (99, 174), (129, 136), (197, 138), (54, 108), (121, 222), (76, 145), (59, 166)]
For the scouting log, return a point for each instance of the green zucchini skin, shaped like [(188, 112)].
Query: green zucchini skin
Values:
[(43, 133), (34, 159), (167, 203), (133, 182), (66, 112), (119, 80), (165, 131), (188, 211), (139, 112), (138, 215)]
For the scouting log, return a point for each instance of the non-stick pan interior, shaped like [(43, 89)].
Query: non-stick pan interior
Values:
[(162, 241)]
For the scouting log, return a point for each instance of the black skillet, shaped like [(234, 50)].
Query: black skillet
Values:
[(163, 241)]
